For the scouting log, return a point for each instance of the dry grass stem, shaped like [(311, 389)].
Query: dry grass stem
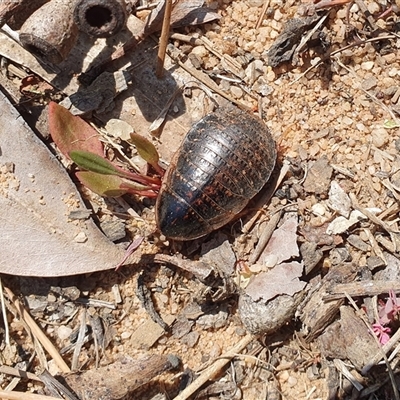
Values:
[(164, 38), (203, 78), (37, 332), (5, 369), (263, 11), (80, 342), (24, 396), (265, 236), (341, 367), (214, 369)]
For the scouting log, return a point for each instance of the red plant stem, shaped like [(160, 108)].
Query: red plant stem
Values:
[(145, 180)]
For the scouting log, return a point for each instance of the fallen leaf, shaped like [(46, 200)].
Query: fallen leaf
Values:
[(339, 200), (33, 86), (184, 13), (71, 133), (283, 243), (341, 224), (282, 279), (37, 237)]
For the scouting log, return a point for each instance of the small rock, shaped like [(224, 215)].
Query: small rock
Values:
[(319, 177), (80, 237), (126, 335), (200, 51), (356, 242), (379, 137), (236, 92), (292, 381), (119, 129), (63, 332), (190, 339), (367, 65), (369, 83), (114, 230)]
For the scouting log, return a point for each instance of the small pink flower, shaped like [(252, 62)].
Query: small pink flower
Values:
[(382, 332)]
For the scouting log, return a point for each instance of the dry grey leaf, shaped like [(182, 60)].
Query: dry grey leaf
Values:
[(341, 224), (282, 279), (283, 242), (37, 237), (339, 200), (184, 13)]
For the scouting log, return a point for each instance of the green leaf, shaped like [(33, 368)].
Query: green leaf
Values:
[(112, 185), (104, 185), (93, 162), (147, 151), (390, 124), (71, 133)]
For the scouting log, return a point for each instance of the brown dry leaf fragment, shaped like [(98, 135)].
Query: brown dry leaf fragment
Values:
[(318, 177), (285, 45), (282, 279), (218, 254), (348, 338), (33, 86), (184, 13), (119, 378), (283, 242), (99, 96)]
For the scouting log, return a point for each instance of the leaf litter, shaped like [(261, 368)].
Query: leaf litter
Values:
[(332, 131)]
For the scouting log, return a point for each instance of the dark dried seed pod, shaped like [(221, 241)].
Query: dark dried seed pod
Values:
[(50, 32), (224, 161), (101, 18)]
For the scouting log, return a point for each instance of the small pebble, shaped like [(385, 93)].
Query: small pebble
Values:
[(63, 332), (200, 51), (292, 381), (367, 65), (379, 137), (126, 335), (236, 92), (369, 83), (80, 237)]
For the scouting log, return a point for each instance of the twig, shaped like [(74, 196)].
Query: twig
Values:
[(340, 366), (203, 78), (3, 311), (24, 396), (43, 339), (263, 11), (80, 342), (5, 369), (371, 216), (214, 369), (266, 196), (265, 236), (164, 39), (330, 55)]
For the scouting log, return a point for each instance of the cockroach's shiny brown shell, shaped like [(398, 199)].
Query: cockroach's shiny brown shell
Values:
[(224, 161)]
